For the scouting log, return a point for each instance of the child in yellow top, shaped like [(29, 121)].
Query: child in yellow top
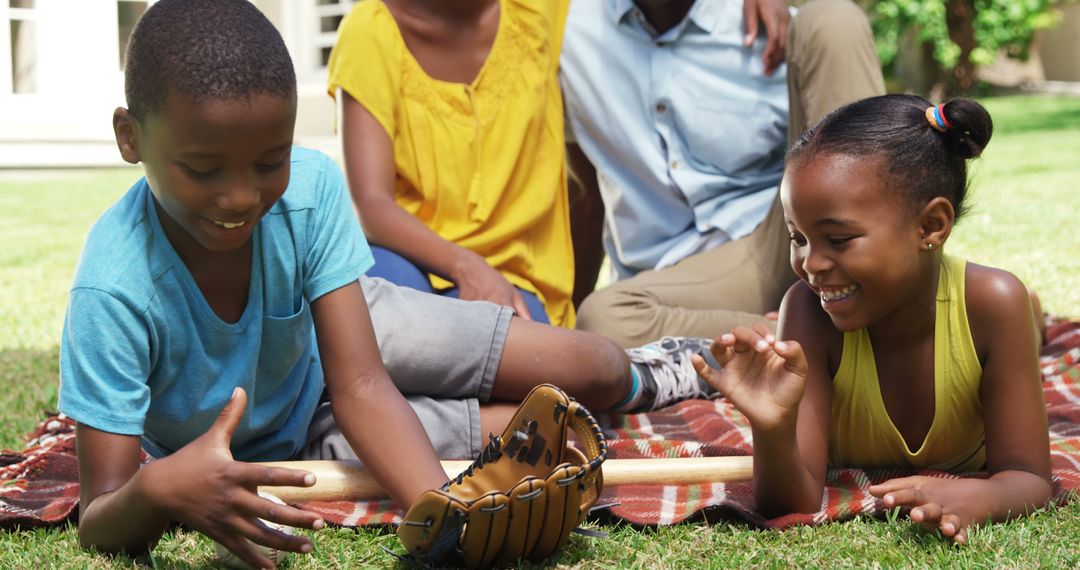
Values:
[(453, 139), (893, 354)]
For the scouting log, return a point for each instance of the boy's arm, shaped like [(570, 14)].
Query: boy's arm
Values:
[(112, 515), (369, 166), (123, 508), (1014, 417), (374, 417)]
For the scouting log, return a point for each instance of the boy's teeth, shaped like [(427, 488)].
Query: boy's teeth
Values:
[(230, 225), (834, 294)]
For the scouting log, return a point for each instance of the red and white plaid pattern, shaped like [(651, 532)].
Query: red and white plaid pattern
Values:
[(39, 487)]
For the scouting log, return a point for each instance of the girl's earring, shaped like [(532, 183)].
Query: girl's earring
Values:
[(929, 247)]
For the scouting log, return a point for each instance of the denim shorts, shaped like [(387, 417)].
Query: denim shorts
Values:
[(442, 354)]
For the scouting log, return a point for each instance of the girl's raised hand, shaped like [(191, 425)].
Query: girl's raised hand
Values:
[(763, 377), (202, 486)]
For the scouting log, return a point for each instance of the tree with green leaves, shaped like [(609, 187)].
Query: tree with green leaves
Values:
[(956, 36)]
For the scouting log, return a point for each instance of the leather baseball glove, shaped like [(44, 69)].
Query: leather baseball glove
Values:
[(521, 497)]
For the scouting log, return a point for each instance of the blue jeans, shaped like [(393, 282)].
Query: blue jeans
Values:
[(400, 271)]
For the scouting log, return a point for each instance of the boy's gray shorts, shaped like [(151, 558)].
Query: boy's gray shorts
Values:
[(442, 353)]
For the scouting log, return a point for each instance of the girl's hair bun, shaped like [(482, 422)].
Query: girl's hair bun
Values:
[(970, 127)]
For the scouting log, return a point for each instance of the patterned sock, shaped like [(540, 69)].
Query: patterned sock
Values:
[(635, 395)]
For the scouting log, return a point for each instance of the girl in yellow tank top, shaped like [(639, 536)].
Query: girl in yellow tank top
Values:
[(889, 353)]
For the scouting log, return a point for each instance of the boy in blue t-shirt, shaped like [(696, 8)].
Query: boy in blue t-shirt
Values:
[(219, 315)]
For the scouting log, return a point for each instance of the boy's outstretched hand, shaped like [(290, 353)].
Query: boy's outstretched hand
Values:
[(763, 377), (946, 505), (202, 486)]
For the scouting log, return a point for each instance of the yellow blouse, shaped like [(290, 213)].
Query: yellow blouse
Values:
[(483, 165), (861, 434)]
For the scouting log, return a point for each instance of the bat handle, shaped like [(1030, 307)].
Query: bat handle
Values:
[(349, 481)]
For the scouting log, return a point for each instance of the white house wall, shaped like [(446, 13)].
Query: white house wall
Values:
[(79, 81), (68, 121)]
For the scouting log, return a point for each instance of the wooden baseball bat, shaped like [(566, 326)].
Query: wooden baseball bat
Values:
[(347, 480)]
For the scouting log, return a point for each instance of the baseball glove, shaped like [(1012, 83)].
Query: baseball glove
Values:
[(521, 497)]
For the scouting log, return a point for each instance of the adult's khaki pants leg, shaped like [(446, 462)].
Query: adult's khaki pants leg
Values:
[(703, 295), (831, 61)]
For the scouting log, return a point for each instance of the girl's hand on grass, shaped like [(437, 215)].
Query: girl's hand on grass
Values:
[(202, 486), (945, 505), (478, 281), (763, 377)]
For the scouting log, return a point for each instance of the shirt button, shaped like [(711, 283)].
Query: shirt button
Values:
[(660, 107), (674, 164)]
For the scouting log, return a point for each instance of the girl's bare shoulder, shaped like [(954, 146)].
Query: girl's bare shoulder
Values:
[(992, 292), (997, 303)]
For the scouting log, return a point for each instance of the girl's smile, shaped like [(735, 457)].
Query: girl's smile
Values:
[(836, 294), (836, 300)]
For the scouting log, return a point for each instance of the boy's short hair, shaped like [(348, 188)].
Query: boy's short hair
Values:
[(204, 49)]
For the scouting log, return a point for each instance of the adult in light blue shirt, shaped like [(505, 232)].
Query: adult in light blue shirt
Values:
[(686, 130), (680, 127)]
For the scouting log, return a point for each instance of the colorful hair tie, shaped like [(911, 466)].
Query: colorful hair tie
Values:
[(936, 117)]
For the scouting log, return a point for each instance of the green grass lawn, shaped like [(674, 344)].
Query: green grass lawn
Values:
[(1024, 196)]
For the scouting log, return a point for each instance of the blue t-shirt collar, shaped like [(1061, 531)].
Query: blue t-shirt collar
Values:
[(165, 248)]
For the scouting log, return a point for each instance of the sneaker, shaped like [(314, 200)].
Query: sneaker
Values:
[(667, 372)]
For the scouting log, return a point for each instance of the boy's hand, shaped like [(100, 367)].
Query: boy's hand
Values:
[(946, 505), (764, 378), (203, 487), (478, 281)]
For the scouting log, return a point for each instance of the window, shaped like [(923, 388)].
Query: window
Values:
[(23, 47), (127, 13), (329, 13)]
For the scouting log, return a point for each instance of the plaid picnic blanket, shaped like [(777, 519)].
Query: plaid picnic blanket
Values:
[(39, 486)]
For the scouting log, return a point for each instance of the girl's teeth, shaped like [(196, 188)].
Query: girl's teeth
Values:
[(231, 225), (834, 294)]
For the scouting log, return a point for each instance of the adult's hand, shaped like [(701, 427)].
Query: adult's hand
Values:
[(776, 18), (476, 280)]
